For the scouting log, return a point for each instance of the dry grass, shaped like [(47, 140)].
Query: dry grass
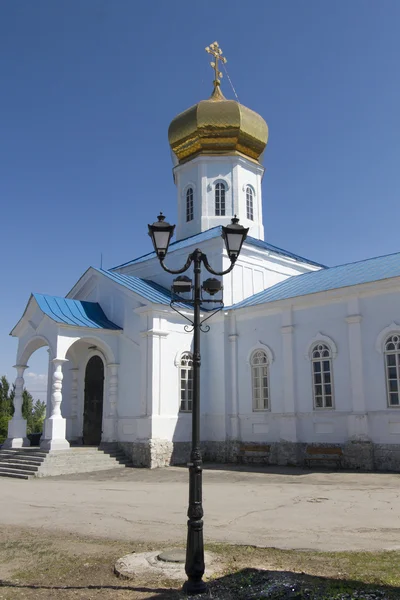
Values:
[(37, 564)]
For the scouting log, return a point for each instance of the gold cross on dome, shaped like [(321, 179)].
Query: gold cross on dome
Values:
[(216, 51)]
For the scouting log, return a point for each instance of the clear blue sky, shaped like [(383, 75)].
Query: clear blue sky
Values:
[(87, 91)]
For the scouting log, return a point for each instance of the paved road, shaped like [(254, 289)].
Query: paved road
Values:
[(285, 508)]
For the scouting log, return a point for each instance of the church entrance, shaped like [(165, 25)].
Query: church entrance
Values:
[(93, 403)]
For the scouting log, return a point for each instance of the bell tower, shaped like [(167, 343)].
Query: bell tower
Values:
[(217, 146)]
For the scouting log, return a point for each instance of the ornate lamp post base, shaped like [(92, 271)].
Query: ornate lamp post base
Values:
[(193, 588)]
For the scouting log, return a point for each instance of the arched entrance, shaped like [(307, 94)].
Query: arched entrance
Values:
[(93, 401)]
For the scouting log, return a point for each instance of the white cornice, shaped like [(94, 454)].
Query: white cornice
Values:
[(155, 333)]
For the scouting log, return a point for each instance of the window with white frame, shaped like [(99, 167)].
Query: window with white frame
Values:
[(220, 191), (189, 204), (249, 203), (321, 358), (186, 381), (392, 363), (259, 380)]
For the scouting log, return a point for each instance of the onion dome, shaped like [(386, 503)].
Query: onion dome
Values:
[(217, 126)]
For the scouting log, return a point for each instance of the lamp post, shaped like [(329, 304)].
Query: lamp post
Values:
[(234, 235)]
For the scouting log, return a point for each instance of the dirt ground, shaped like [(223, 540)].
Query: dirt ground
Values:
[(283, 508)]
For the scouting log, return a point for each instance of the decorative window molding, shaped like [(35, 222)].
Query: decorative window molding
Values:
[(189, 204), (260, 380), (321, 355), (220, 199), (179, 354), (186, 382), (392, 369), (250, 203), (260, 346), (324, 339), (211, 186), (380, 343), (246, 185)]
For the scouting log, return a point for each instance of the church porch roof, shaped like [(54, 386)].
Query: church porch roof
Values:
[(76, 313)]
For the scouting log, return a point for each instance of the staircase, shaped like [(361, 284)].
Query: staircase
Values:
[(25, 463)]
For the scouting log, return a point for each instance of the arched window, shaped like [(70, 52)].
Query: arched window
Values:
[(259, 380), (249, 203), (186, 381), (220, 199), (321, 358), (392, 362), (189, 204)]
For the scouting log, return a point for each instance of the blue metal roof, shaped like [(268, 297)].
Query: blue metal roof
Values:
[(365, 271), (74, 312), (149, 290), (213, 233)]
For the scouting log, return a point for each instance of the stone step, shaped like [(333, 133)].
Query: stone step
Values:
[(31, 453), (28, 462), (18, 465), (28, 459), (16, 471), (15, 475)]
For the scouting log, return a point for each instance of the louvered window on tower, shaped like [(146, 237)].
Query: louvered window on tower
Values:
[(220, 200), (189, 205), (249, 203)]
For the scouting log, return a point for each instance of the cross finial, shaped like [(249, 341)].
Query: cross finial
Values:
[(216, 51)]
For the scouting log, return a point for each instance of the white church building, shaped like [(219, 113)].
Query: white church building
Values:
[(301, 356)]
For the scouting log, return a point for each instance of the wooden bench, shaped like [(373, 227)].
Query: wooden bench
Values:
[(324, 454), (254, 453)]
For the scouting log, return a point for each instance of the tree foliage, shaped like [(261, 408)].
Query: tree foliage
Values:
[(33, 411)]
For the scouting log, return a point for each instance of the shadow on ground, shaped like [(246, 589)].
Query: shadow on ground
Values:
[(246, 584)]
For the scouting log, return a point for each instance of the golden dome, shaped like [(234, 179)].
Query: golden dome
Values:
[(218, 126)]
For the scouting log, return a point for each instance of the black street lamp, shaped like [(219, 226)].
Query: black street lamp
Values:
[(234, 235)]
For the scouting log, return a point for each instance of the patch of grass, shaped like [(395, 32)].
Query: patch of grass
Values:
[(52, 566)]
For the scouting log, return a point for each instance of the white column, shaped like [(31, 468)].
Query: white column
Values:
[(358, 420), (54, 426), (233, 426), (17, 426), (288, 422), (110, 420)]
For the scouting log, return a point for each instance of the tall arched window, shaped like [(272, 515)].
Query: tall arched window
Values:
[(186, 381), (392, 362), (189, 204), (220, 199), (321, 358), (249, 203), (259, 380)]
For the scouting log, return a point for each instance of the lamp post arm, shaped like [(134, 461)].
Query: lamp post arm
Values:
[(211, 270), (177, 271)]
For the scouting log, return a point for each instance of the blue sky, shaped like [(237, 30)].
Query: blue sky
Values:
[(88, 90)]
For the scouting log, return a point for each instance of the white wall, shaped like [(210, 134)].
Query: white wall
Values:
[(331, 316)]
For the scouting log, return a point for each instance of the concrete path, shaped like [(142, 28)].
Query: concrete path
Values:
[(266, 507)]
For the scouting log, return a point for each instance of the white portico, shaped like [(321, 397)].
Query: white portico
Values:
[(75, 333)]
